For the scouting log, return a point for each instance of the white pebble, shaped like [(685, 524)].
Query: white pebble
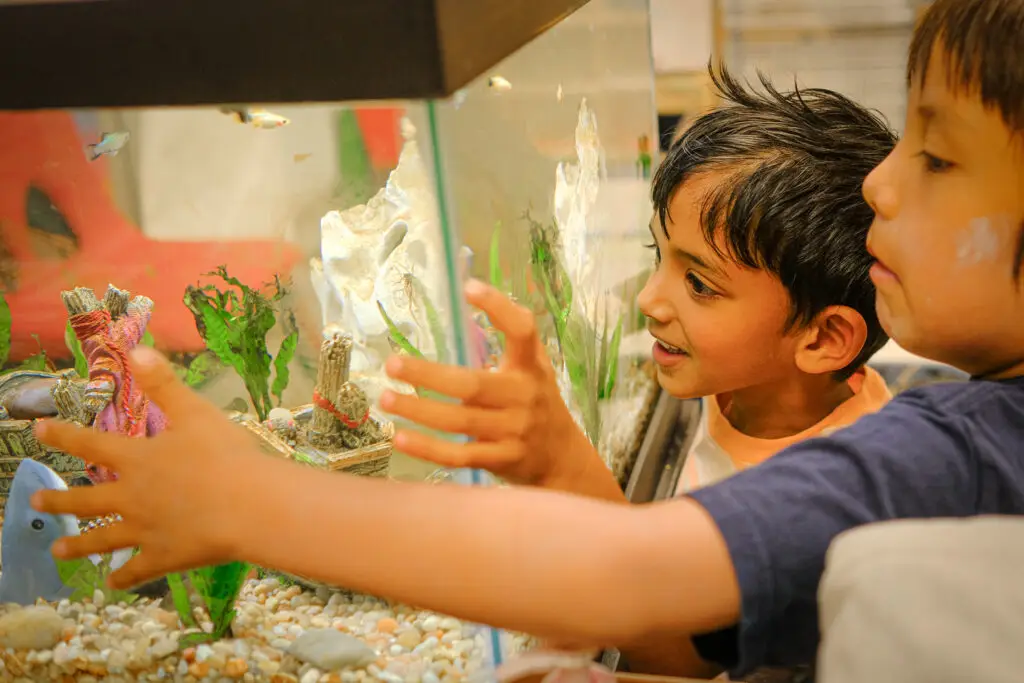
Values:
[(311, 676)]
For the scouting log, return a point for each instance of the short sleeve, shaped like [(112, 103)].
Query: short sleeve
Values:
[(910, 460)]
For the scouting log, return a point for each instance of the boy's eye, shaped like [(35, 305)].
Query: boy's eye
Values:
[(934, 164), (698, 287)]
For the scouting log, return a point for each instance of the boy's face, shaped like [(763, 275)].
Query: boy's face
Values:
[(727, 321), (949, 203)]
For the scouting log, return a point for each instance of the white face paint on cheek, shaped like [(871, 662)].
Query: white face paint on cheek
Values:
[(977, 243)]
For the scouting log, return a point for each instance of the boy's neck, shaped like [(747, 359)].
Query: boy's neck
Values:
[(782, 409)]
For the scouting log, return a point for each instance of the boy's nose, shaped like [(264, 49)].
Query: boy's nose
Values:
[(652, 304), (879, 191)]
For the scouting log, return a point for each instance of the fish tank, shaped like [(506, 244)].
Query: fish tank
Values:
[(279, 197)]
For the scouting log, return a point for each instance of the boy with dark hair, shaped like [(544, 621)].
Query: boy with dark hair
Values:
[(736, 565), (761, 303)]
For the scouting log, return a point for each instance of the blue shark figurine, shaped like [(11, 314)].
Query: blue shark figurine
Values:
[(28, 568)]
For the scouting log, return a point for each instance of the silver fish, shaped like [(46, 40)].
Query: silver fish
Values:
[(109, 144), (256, 117), (29, 570), (499, 83)]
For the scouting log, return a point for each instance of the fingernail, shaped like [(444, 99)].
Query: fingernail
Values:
[(59, 549), (393, 366), (401, 440), (40, 427), (474, 286), (37, 501), (387, 399)]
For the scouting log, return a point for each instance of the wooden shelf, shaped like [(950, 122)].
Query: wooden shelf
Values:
[(130, 53)]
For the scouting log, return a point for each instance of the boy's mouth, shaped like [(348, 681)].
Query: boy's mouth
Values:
[(668, 347), (880, 274), (666, 354)]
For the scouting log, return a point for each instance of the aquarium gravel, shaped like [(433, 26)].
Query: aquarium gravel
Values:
[(282, 634)]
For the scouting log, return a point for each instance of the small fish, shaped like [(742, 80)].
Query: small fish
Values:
[(256, 117), (459, 97), (499, 83), (266, 119), (29, 570), (109, 144), (558, 93), (299, 158)]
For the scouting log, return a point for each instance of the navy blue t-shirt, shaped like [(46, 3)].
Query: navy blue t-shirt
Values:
[(945, 450)]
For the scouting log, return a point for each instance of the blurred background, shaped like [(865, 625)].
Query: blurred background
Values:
[(857, 47)]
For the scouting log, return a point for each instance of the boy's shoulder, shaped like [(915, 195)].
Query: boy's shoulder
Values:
[(964, 404), (953, 393), (943, 450)]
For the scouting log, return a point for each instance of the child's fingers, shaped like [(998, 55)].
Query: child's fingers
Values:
[(101, 448), (80, 501), (161, 384), (480, 387), (483, 455), (105, 540), (479, 423), (141, 569), (508, 317)]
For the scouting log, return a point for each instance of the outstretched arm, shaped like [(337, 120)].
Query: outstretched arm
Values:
[(551, 564), (555, 565)]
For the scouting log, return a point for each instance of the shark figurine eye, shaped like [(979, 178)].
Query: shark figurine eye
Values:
[(38, 524)]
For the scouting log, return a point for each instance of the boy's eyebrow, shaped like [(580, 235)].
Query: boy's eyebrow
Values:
[(944, 117)]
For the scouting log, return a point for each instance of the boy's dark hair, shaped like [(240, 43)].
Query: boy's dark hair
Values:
[(791, 204), (983, 46)]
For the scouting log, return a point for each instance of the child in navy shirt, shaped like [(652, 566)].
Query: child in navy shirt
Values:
[(734, 566)]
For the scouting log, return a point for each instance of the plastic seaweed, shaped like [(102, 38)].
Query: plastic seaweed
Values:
[(590, 358), (38, 362), (75, 347), (85, 578), (200, 370), (400, 340), (234, 325), (218, 588)]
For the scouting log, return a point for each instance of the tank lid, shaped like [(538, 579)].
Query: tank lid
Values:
[(143, 53)]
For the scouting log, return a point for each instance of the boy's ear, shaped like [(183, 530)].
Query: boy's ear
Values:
[(832, 341)]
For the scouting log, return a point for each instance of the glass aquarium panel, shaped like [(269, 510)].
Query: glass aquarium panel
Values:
[(278, 254), (550, 153)]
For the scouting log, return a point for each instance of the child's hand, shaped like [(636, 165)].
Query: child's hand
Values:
[(523, 429), (174, 490)]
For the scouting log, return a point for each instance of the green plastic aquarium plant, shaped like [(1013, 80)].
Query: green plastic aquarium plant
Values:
[(217, 588), (234, 323), (85, 578), (591, 359), (38, 361), (418, 292)]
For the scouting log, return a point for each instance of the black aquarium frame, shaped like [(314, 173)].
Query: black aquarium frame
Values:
[(141, 53)]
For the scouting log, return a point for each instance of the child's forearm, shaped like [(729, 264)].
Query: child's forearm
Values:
[(504, 556), (589, 477)]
